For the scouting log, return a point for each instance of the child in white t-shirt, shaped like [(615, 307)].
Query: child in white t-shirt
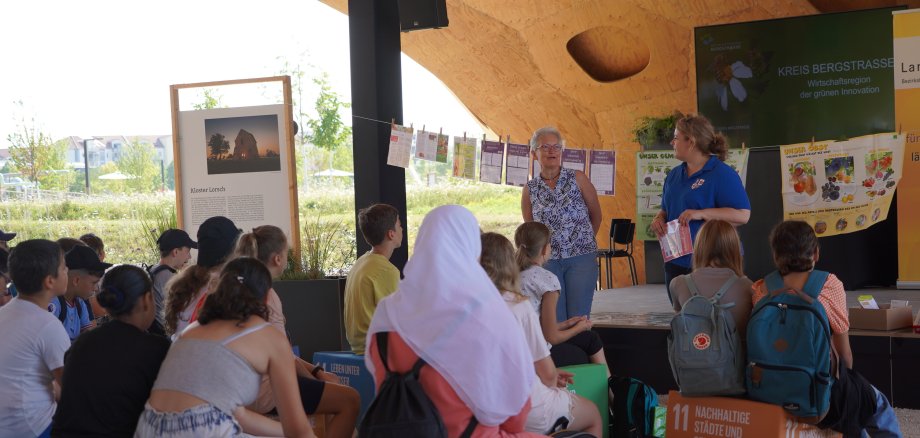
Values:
[(549, 400), (572, 341), (33, 341)]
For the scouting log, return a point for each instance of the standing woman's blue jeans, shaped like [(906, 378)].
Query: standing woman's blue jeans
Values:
[(577, 276)]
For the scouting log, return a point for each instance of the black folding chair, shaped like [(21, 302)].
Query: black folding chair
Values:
[(621, 233)]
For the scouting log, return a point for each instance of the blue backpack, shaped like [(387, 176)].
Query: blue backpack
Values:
[(634, 405), (789, 349)]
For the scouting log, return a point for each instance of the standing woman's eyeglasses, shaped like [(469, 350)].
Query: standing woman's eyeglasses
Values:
[(551, 147)]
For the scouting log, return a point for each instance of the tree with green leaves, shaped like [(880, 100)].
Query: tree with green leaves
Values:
[(218, 145), (296, 71), (139, 160), (171, 176), (327, 130), (36, 156), (108, 185), (210, 100)]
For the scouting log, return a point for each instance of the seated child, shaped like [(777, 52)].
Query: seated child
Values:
[(716, 259), (110, 370), (572, 341), (320, 390), (84, 272), (5, 240), (175, 251), (33, 341), (549, 400), (372, 277), (856, 405), (187, 291)]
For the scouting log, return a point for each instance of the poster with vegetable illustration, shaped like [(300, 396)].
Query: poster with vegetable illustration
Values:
[(651, 169), (841, 187)]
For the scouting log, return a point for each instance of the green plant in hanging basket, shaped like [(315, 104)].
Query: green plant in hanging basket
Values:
[(650, 131)]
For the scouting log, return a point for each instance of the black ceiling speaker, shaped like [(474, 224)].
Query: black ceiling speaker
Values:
[(422, 14)]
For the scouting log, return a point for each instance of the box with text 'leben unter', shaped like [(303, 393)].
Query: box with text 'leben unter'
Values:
[(695, 417), (884, 318)]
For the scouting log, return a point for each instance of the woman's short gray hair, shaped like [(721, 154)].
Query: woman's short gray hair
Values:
[(546, 130)]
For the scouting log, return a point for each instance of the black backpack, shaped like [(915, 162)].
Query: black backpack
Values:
[(634, 405), (401, 407)]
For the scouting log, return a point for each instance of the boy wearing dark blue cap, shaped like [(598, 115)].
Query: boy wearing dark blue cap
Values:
[(5, 239), (175, 251), (84, 272)]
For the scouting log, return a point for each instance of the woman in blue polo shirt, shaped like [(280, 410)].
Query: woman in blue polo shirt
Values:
[(701, 189)]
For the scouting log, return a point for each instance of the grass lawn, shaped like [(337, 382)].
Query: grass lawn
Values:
[(120, 221)]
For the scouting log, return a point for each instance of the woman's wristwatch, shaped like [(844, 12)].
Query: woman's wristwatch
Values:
[(316, 371)]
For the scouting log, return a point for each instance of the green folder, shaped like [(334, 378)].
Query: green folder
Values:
[(591, 383)]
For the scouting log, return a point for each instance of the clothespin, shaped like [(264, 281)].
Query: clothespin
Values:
[(423, 127), (393, 123), (812, 141), (508, 139), (742, 146), (464, 136), (483, 137), (440, 131), (411, 129), (899, 129)]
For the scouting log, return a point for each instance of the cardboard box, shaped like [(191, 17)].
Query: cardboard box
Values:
[(695, 417), (884, 318)]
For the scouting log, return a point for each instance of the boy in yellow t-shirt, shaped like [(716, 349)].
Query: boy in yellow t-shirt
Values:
[(372, 277)]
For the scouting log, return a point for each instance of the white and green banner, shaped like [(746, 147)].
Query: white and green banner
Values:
[(651, 169)]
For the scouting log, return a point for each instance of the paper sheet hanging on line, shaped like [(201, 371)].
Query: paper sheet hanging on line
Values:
[(491, 161), (426, 145), (517, 172), (604, 172), (574, 159), (676, 241), (400, 146), (465, 157)]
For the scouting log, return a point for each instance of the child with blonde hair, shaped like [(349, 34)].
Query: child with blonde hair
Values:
[(572, 341), (549, 398)]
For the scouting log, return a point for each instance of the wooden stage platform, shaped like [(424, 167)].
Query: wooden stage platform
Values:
[(634, 323)]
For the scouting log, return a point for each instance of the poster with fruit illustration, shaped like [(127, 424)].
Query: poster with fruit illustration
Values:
[(651, 169), (841, 187)]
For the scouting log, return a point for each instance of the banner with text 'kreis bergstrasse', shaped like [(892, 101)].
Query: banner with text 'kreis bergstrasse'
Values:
[(841, 187)]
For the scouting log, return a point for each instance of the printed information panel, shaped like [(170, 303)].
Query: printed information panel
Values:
[(700, 417)]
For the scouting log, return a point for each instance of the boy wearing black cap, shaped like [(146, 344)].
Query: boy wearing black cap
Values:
[(84, 272), (175, 251), (5, 239)]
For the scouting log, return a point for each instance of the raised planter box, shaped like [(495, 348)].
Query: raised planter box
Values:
[(314, 310)]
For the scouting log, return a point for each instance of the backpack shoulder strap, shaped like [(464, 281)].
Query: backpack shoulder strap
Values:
[(470, 427), (774, 282), (62, 308), (153, 271), (80, 304), (688, 279), (815, 283), (381, 338), (725, 287)]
